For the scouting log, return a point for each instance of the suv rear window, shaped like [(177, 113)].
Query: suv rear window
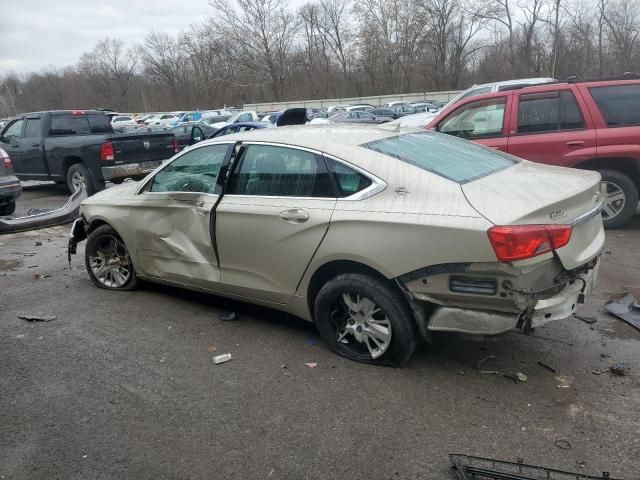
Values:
[(549, 112), (619, 104), (455, 159)]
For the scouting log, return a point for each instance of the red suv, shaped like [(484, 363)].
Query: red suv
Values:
[(594, 125)]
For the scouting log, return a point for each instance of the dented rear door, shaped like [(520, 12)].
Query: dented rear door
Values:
[(176, 242)]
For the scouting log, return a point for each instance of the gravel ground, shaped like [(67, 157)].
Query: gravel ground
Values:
[(122, 384)]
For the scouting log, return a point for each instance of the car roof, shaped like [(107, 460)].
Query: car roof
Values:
[(329, 138)]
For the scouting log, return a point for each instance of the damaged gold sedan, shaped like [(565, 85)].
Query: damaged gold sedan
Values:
[(378, 236)]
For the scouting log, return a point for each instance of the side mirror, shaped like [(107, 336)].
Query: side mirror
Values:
[(197, 135)]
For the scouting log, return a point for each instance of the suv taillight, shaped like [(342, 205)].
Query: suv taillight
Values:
[(517, 242), (4, 158), (176, 147), (106, 152)]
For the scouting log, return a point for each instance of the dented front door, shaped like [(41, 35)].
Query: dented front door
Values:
[(176, 243)]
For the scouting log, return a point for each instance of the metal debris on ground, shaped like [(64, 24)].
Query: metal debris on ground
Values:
[(34, 317), (311, 364), (39, 276), (225, 357), (468, 467), (544, 365), (485, 359), (619, 369), (625, 308), (585, 319), (211, 349), (228, 316), (516, 377)]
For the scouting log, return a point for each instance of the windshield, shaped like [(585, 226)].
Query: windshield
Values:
[(455, 159)]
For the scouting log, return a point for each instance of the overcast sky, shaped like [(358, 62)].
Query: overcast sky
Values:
[(41, 33)]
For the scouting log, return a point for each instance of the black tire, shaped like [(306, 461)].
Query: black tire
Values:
[(390, 302), (117, 181), (97, 240), (619, 180), (78, 174), (9, 207)]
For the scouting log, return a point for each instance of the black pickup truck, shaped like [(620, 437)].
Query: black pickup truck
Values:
[(79, 147)]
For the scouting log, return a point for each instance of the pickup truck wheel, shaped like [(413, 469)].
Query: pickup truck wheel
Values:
[(364, 319), (108, 261), (78, 177), (621, 198), (8, 208)]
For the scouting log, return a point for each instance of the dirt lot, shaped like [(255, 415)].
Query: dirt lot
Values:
[(122, 385)]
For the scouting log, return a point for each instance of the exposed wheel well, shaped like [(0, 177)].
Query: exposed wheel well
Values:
[(94, 225), (338, 267), (628, 166), (67, 162)]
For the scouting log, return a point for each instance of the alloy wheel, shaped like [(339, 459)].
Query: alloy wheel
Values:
[(361, 325), (614, 200), (110, 263), (77, 181)]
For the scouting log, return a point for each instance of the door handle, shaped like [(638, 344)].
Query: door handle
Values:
[(575, 143), (295, 215)]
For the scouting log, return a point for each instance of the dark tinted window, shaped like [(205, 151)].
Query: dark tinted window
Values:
[(32, 130), (272, 171), (449, 157), (347, 180), (195, 171), (548, 112), (620, 105), (69, 125)]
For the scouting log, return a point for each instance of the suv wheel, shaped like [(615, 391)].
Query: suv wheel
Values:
[(9, 207), (364, 319), (108, 261), (621, 199)]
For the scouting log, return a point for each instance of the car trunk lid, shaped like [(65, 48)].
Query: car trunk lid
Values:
[(530, 193)]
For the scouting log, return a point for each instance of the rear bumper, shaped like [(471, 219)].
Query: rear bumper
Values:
[(130, 169), (491, 322), (10, 187)]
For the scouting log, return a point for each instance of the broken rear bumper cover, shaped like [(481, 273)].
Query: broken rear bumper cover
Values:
[(486, 311), (130, 169)]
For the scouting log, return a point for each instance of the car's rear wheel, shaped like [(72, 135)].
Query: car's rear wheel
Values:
[(364, 319), (78, 177), (621, 198), (9, 207), (108, 261)]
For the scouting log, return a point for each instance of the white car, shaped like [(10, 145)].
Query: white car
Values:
[(245, 116), (161, 119), (359, 108), (120, 121), (417, 120)]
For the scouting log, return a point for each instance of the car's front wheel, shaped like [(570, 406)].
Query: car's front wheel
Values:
[(364, 319), (108, 261), (9, 207)]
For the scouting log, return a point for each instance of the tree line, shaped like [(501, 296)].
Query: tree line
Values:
[(265, 50)]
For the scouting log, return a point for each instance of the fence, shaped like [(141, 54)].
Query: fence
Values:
[(377, 101)]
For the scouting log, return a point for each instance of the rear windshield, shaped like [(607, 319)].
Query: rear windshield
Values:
[(452, 158), (619, 104)]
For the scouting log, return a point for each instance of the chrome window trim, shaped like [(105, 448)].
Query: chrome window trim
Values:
[(173, 159), (588, 215)]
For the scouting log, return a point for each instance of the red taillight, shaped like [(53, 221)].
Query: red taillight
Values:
[(517, 242), (106, 152), (4, 157), (176, 147)]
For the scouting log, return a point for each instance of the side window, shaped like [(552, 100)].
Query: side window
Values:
[(99, 124), (479, 119), (245, 117), (365, 116), (33, 130), (194, 171), (548, 112), (619, 104), (347, 180), (273, 171), (69, 125), (14, 130)]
